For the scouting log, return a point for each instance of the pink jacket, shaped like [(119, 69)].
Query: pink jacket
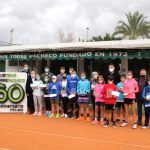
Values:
[(130, 88), (99, 93)]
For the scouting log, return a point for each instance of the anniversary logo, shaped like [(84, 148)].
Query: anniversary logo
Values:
[(12, 92)]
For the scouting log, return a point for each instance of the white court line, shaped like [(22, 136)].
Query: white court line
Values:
[(4, 148), (74, 137)]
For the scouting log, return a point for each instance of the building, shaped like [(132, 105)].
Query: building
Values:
[(88, 56)]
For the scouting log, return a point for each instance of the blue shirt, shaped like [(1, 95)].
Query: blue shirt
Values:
[(83, 87), (121, 96), (72, 85), (145, 93), (54, 88)]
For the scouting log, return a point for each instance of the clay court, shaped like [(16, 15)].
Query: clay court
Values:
[(27, 132)]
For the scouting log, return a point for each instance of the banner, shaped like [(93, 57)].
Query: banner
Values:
[(12, 92), (103, 54)]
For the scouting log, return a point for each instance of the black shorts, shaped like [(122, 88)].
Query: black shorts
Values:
[(120, 105), (110, 106), (99, 104), (129, 101)]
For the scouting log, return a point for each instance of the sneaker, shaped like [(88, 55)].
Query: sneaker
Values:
[(88, 119), (80, 119), (106, 124), (46, 113), (62, 115), (123, 120), (65, 115), (39, 114), (134, 126), (145, 127), (49, 113), (124, 124), (94, 122), (35, 114), (114, 125), (52, 116), (102, 123), (118, 120), (57, 116)]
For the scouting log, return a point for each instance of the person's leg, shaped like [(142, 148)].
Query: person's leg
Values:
[(107, 116), (125, 123), (57, 107), (30, 103), (87, 113), (147, 115), (35, 104), (139, 108), (76, 111), (102, 112), (123, 112), (93, 103), (40, 104), (118, 113), (133, 108), (70, 107), (53, 108), (126, 111), (114, 116), (96, 111), (46, 105), (66, 106), (81, 106)]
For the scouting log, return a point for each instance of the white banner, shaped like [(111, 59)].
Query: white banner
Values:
[(13, 97)]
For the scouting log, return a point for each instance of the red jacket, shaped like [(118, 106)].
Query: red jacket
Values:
[(108, 88)]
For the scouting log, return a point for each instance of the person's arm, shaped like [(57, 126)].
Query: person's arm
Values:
[(49, 89), (144, 94), (78, 88), (68, 87), (89, 87), (104, 91), (59, 88), (136, 87), (27, 86)]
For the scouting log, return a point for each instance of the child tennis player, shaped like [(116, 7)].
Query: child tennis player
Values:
[(99, 100), (83, 91)]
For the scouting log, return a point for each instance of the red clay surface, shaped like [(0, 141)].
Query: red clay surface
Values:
[(27, 132)]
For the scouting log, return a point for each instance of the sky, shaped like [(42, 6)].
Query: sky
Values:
[(40, 21)]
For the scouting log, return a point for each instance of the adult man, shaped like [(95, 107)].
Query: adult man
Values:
[(26, 69), (29, 92), (142, 82), (46, 73), (113, 73), (60, 76)]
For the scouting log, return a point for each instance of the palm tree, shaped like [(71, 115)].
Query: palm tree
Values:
[(107, 37), (137, 26)]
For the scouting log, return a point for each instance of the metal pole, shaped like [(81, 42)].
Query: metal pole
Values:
[(18, 65), (91, 67), (77, 66), (87, 34), (11, 36)]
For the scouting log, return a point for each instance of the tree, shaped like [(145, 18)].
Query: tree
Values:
[(107, 37), (137, 26), (65, 38)]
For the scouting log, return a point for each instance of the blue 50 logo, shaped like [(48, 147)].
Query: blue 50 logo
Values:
[(10, 94)]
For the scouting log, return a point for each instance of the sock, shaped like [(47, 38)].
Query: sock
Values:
[(96, 118)]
